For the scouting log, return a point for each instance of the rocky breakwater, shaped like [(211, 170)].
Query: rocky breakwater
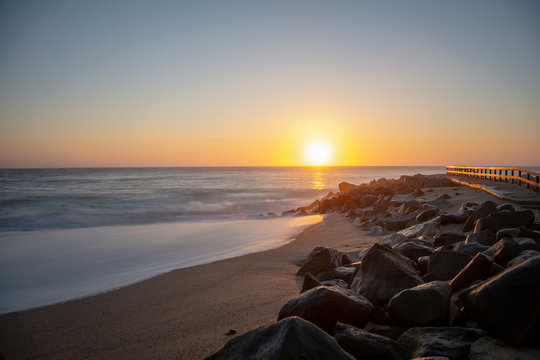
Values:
[(419, 293)]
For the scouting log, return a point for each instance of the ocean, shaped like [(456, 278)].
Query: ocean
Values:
[(70, 233)]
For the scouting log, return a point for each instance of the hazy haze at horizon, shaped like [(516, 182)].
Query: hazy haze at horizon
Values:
[(133, 83)]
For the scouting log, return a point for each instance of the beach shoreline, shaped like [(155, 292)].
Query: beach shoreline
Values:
[(186, 313)]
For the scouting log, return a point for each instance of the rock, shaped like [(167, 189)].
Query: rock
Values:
[(310, 282), (507, 305), (422, 305), (485, 237), (345, 260), (324, 306), (377, 230), (423, 262), (455, 218), (399, 222), (345, 187), (414, 249), (400, 199), (335, 201), (524, 255), (364, 200), (498, 221), (417, 193), (486, 208), (319, 259), (447, 239), (452, 342), (393, 239), (479, 268), (391, 332), (470, 249), (291, 338), (527, 243), (409, 207), (335, 282), (505, 206), (445, 264), (503, 251), (428, 228), (343, 273), (488, 348), (427, 214), (384, 273), (367, 346), (521, 231)]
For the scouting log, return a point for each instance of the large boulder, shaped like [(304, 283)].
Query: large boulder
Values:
[(485, 237), (344, 273), (345, 187), (445, 264), (384, 273), (486, 208), (479, 268), (427, 214), (367, 346), (289, 339), (421, 305), (333, 202), (498, 221), (324, 306), (507, 306), (524, 255), (452, 342), (320, 258), (448, 238), (488, 348), (414, 249)]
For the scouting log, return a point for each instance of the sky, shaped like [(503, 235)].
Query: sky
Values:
[(257, 83)]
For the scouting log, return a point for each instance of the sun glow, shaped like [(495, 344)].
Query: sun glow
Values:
[(318, 153)]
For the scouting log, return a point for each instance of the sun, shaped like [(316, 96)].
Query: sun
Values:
[(318, 153)]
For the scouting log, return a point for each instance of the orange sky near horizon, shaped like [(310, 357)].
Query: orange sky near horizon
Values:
[(237, 83)]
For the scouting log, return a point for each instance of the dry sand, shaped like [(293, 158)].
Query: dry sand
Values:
[(185, 314)]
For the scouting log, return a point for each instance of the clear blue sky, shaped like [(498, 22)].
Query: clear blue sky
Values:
[(113, 83)]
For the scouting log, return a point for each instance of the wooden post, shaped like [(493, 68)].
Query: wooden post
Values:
[(512, 176), (528, 178), (519, 176)]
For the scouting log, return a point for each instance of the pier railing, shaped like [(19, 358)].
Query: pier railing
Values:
[(501, 174)]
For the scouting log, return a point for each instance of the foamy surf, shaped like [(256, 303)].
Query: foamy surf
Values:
[(51, 266)]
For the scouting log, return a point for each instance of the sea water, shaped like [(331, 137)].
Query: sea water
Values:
[(69, 233)]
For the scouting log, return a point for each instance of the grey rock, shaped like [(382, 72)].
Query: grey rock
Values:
[(288, 339), (367, 346), (503, 251), (423, 262), (445, 264), (422, 305), (384, 273), (427, 214), (393, 239), (479, 268), (414, 249), (498, 221), (452, 342), (343, 273), (454, 218), (448, 238), (485, 237), (486, 208), (428, 228), (507, 305), (310, 282), (400, 222), (527, 243), (391, 332), (377, 230), (319, 259), (324, 306), (524, 255), (470, 249)]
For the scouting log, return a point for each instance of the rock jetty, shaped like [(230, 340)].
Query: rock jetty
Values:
[(418, 293)]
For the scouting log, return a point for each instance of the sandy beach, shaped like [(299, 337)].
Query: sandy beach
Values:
[(186, 313)]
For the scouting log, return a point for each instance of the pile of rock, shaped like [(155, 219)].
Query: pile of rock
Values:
[(386, 204), (418, 293)]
